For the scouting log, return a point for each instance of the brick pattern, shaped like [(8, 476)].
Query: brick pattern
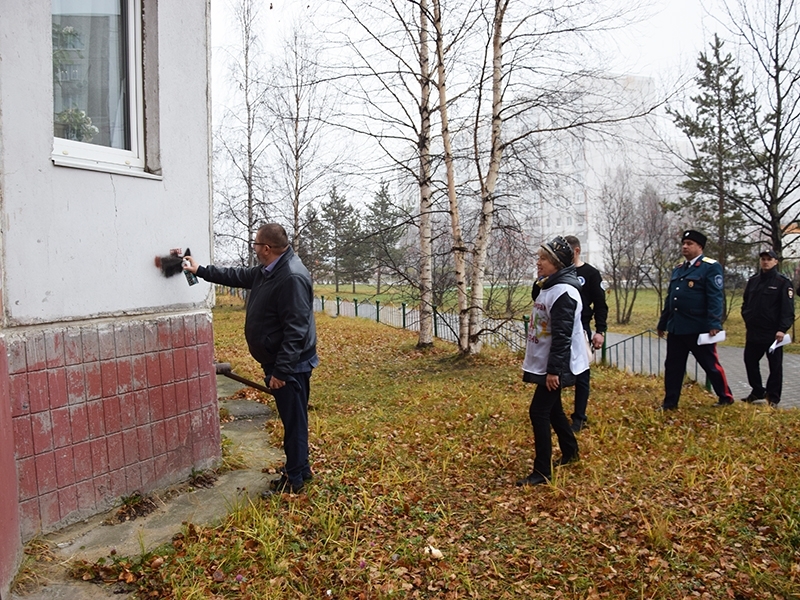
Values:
[(105, 410)]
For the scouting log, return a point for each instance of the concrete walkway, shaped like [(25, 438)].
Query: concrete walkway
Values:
[(645, 354), (91, 540)]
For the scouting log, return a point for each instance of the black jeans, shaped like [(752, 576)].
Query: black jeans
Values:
[(546, 410), (753, 352), (581, 397), (292, 403), (582, 391)]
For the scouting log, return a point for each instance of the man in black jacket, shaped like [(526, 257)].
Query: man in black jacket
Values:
[(281, 335), (768, 313), (594, 306)]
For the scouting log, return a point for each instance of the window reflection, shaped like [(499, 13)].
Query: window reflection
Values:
[(91, 100)]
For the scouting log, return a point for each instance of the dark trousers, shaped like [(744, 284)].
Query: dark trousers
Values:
[(581, 392), (753, 352), (546, 410), (292, 403), (678, 349), (581, 396)]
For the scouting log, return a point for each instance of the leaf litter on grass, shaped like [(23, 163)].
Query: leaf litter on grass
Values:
[(415, 449)]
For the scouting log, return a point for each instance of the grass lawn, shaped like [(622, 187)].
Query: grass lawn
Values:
[(416, 449)]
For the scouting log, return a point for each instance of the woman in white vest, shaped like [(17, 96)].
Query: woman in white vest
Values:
[(556, 352)]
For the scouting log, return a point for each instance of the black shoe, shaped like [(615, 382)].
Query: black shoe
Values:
[(663, 409), (285, 488), (752, 398), (533, 479), (278, 483), (577, 425), (722, 403), (566, 461), (283, 480)]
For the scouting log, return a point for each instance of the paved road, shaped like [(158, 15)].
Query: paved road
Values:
[(646, 353)]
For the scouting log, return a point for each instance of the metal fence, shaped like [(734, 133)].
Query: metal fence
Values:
[(644, 353), (641, 353), (496, 332)]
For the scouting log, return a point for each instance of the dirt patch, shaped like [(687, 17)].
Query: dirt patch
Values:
[(134, 506), (138, 505)]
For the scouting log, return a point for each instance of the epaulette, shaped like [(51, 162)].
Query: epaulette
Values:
[(708, 260)]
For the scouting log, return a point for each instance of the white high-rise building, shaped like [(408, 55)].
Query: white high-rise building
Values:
[(578, 162)]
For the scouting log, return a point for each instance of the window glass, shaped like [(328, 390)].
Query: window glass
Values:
[(91, 72)]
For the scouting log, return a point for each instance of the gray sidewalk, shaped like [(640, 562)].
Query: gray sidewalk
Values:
[(646, 355)]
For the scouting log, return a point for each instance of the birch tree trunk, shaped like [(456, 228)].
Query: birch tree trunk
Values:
[(459, 247), (488, 182), (425, 193)]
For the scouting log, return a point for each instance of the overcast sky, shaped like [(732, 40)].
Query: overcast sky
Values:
[(667, 41)]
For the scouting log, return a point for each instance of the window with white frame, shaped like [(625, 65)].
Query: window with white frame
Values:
[(97, 85)]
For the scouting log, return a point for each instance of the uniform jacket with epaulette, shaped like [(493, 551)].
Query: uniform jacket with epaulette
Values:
[(694, 301), (767, 305)]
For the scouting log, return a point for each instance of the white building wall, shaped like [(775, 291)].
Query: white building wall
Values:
[(107, 379), (78, 244), (585, 161)]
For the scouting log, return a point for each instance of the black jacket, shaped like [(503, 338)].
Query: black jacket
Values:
[(594, 299), (767, 306), (279, 324), (562, 319)]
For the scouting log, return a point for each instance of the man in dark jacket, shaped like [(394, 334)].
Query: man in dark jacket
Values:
[(594, 306), (768, 313), (281, 335), (693, 306)]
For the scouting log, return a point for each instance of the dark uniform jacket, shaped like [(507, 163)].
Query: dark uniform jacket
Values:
[(279, 324), (594, 299), (694, 300), (767, 305)]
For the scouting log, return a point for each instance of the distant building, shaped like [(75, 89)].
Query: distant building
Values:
[(581, 161), (107, 383)]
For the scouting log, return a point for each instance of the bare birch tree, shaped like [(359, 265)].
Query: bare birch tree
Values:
[(242, 140), (300, 104), (537, 90), (519, 87), (388, 86), (458, 243)]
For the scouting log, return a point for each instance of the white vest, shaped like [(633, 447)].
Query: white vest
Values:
[(540, 336)]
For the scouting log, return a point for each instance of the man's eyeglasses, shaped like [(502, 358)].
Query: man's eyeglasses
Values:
[(257, 244)]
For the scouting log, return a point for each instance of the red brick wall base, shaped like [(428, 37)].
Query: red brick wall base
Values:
[(10, 545), (102, 410)]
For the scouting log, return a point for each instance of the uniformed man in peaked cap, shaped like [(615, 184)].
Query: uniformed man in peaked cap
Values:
[(693, 306), (768, 313)]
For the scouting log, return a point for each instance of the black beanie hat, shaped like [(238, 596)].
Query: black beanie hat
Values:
[(560, 251)]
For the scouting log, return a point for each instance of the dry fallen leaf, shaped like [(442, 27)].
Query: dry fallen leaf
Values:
[(434, 553)]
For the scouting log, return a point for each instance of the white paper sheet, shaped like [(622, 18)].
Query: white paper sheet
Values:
[(707, 338), (787, 339)]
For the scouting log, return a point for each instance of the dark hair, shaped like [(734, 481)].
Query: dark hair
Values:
[(273, 235), (573, 241)]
